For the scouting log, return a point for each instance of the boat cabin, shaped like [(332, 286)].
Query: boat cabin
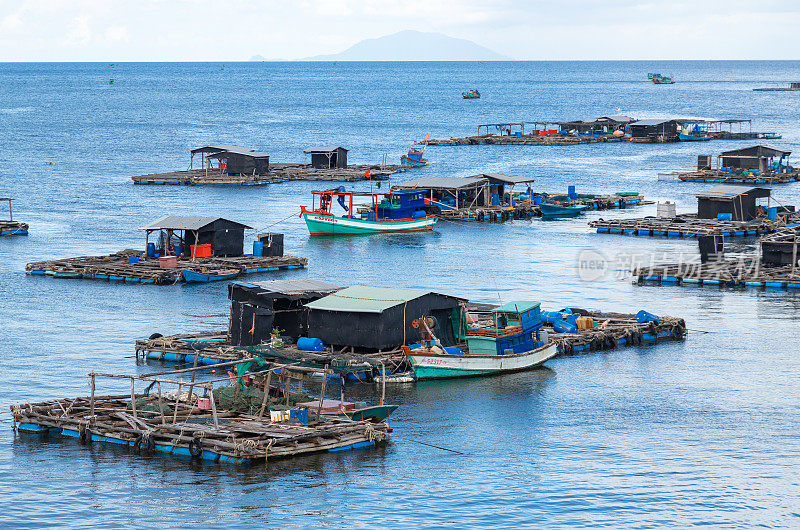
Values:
[(758, 158), (513, 329), (195, 237), (259, 307), (406, 204), (740, 202), (327, 157), (380, 206), (381, 318), (451, 193)]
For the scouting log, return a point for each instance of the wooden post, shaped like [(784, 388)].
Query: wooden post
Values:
[(177, 402), (213, 407), (266, 394), (383, 383), (133, 397), (286, 386), (92, 398), (160, 404), (322, 392), (794, 253)]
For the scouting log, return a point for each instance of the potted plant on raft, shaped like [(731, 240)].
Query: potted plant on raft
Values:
[(275, 338)]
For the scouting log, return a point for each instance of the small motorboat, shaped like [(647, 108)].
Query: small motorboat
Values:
[(414, 157), (559, 210), (192, 276), (471, 94), (659, 79), (689, 137)]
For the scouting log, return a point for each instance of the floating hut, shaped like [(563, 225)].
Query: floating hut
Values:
[(242, 166), (793, 87), (751, 165), (10, 227), (653, 131), (186, 249), (349, 318), (247, 422), (722, 210)]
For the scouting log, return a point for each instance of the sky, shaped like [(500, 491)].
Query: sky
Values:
[(231, 30)]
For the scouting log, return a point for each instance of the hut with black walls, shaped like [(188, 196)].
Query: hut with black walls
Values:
[(327, 157), (232, 159), (225, 237), (663, 130), (258, 308), (379, 318), (758, 157), (739, 201)]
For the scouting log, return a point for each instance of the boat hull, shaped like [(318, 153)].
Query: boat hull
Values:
[(406, 161), (550, 210), (691, 138), (328, 225), (191, 276), (427, 365)]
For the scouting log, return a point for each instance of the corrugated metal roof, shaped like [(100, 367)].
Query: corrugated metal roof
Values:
[(364, 299), (726, 190), (650, 122), (240, 151), (440, 182), (756, 150), (327, 149), (220, 147), (510, 179), (295, 286), (516, 307), (178, 222), (619, 118)]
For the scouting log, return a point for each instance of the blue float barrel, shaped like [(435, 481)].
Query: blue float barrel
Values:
[(537, 201), (178, 250), (496, 199), (772, 213), (308, 344), (563, 326), (151, 250), (550, 317), (133, 259), (724, 217), (571, 193), (643, 316), (258, 248)]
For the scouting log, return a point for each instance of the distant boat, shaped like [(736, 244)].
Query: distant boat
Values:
[(659, 79), (414, 156), (471, 94), (558, 210), (399, 211), (191, 276), (768, 136), (509, 343)]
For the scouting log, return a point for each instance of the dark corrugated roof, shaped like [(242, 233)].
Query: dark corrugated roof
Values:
[(724, 191), (440, 182), (509, 179), (179, 222), (364, 299), (296, 286), (316, 150), (220, 147), (756, 150), (650, 122)]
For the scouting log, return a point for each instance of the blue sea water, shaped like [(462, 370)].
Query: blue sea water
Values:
[(699, 432)]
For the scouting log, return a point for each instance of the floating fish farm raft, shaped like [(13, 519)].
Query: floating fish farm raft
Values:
[(722, 177), (685, 226), (133, 266), (279, 172), (13, 228), (609, 331), (530, 139), (758, 164), (236, 424)]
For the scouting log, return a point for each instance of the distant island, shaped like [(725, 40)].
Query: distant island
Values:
[(412, 45)]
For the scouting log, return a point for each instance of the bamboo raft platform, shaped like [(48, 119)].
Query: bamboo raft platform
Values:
[(530, 139), (613, 330), (723, 177), (116, 267), (743, 272), (13, 228), (687, 226), (177, 425), (527, 209), (279, 172)]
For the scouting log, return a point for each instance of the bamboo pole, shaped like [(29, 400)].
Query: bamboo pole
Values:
[(322, 392), (213, 407), (92, 398), (266, 395), (161, 405), (133, 398)]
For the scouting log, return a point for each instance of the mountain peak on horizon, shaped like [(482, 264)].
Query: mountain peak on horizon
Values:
[(412, 45)]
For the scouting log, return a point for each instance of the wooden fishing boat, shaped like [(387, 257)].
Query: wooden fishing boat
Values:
[(560, 210), (399, 211), (659, 79), (471, 94), (192, 276), (414, 157), (11, 227), (694, 137), (510, 342)]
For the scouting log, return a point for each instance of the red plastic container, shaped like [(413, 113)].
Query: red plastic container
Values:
[(168, 262), (201, 251)]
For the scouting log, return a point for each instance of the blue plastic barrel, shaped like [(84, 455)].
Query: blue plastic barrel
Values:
[(724, 217), (299, 415), (178, 250), (562, 326), (308, 344), (495, 199), (133, 259), (572, 319), (571, 193), (151, 250), (643, 316), (454, 350), (537, 201), (550, 317), (258, 248), (772, 213)]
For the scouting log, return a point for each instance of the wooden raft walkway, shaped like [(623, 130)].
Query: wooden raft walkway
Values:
[(279, 172), (686, 226), (493, 139), (723, 177), (614, 330), (116, 267), (13, 228), (528, 210), (174, 424), (743, 272)]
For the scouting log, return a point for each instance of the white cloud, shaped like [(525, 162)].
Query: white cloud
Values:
[(11, 22), (79, 31), (117, 34)]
